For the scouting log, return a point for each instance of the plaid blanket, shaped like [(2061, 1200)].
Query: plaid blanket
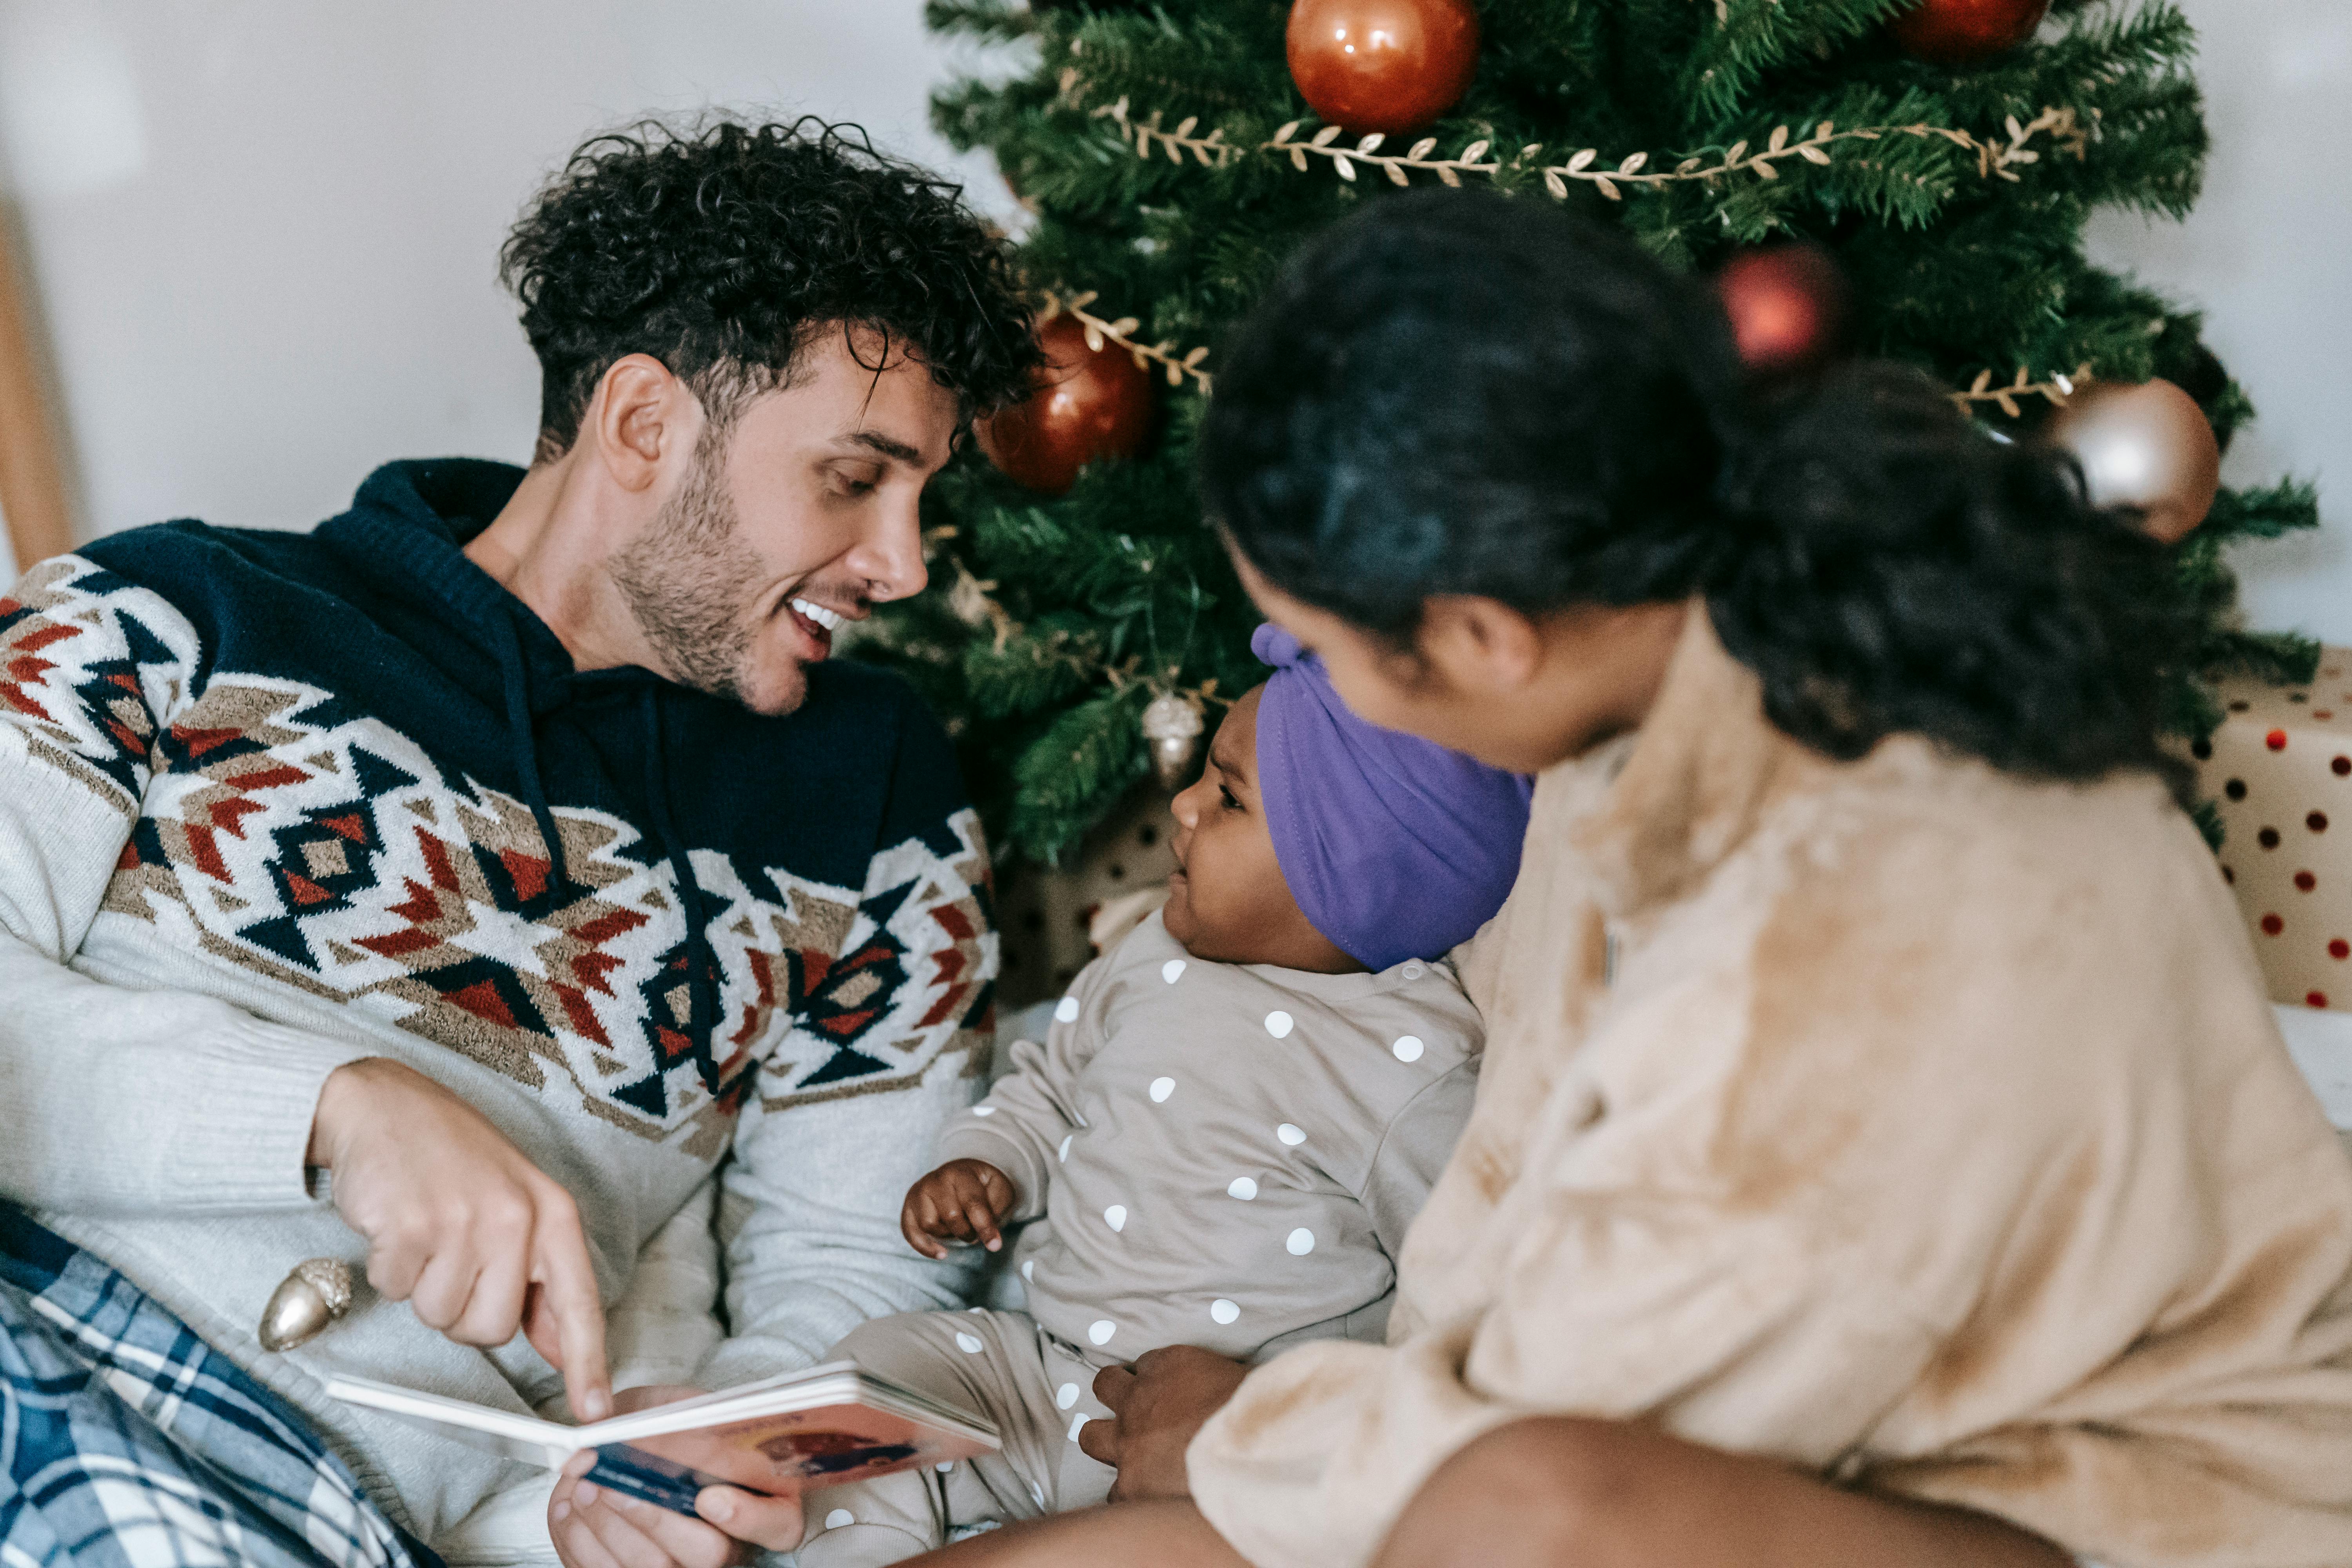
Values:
[(126, 1442)]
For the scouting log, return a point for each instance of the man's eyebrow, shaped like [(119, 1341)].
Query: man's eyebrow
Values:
[(875, 441)]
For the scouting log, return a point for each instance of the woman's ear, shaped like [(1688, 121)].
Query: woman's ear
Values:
[(1478, 645)]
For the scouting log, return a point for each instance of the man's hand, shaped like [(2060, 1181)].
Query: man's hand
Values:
[(959, 1202), (459, 1224), (1156, 1406), (596, 1527)]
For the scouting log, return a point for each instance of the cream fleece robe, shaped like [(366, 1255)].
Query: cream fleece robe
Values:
[(1914, 1122)]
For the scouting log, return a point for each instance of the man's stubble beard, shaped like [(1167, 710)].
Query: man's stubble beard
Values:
[(685, 578)]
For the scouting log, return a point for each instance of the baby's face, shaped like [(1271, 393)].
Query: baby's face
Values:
[(1229, 901)]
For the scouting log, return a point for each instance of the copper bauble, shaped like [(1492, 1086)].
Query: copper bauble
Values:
[(1089, 403), (1382, 65), (2143, 444), (1789, 305), (1966, 32)]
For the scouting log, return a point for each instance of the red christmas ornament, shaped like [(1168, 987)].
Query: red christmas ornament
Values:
[(1088, 403), (1966, 32), (1382, 65), (1789, 306)]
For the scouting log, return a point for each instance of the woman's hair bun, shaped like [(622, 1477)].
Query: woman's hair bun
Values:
[(1460, 393), (1900, 568)]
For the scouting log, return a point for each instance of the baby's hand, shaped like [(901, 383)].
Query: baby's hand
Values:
[(958, 1202)]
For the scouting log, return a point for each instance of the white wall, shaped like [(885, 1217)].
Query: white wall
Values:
[(2268, 255), (264, 230)]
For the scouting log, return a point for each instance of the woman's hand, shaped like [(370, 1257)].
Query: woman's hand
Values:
[(458, 1223), (1156, 1408), (960, 1200), (596, 1527)]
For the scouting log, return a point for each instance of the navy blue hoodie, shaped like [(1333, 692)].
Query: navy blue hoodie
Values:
[(271, 803)]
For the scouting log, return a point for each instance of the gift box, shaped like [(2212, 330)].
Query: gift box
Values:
[(2280, 771)]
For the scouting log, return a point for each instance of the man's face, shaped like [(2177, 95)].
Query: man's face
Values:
[(798, 516)]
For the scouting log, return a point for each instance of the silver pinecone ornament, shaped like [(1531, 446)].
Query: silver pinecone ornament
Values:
[(1173, 724), (319, 1291)]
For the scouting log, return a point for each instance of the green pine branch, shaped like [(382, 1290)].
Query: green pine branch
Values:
[(1114, 591)]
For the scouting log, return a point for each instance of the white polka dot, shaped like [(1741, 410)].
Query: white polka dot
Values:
[(1278, 1024), (1408, 1048), (1080, 1419), (1066, 1011), (1029, 1269), (1066, 1141), (1290, 1134), (1115, 1216), (983, 1111), (1413, 971), (838, 1518), (1065, 1396), (977, 1311), (1170, 970), (944, 1468), (971, 1346), (1301, 1242), (1243, 1188), (1161, 1087), (1223, 1311), (1101, 1330)]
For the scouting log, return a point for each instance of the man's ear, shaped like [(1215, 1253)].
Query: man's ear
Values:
[(641, 416), (1478, 645)]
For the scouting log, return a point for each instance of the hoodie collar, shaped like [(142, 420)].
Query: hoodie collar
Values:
[(408, 531)]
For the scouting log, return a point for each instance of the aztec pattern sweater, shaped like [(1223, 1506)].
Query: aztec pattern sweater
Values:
[(272, 803)]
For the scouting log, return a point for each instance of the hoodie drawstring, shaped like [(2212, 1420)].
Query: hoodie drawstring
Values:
[(515, 676), (702, 963)]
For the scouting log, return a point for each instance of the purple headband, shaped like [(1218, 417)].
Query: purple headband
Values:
[(1394, 846)]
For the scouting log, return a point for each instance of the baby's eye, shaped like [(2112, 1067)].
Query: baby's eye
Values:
[(1226, 796)]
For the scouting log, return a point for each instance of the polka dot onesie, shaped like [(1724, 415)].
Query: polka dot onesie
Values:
[(1224, 1155)]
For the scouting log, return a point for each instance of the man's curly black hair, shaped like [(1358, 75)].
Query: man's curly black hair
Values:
[(720, 249)]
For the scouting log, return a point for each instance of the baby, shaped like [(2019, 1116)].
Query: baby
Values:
[(1231, 1121)]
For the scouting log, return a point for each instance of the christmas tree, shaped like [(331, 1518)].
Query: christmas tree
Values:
[(1946, 154)]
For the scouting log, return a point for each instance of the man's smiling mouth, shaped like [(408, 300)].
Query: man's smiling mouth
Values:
[(817, 623)]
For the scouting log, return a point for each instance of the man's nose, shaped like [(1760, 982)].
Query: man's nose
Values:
[(889, 557)]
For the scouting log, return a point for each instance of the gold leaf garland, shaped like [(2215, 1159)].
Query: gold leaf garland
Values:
[(1998, 156), (1101, 332), (2057, 389)]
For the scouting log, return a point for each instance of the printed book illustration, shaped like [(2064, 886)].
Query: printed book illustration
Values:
[(791, 1434)]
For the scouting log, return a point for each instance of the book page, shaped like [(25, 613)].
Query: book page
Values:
[(782, 1454)]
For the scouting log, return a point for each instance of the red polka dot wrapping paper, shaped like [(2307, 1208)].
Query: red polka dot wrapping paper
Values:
[(2280, 768)]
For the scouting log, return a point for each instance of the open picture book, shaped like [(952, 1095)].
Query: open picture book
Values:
[(791, 1434)]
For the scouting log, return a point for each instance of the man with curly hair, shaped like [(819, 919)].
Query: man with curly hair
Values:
[(460, 889)]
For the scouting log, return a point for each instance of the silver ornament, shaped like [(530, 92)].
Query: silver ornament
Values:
[(2145, 445), (306, 1301), (1173, 724)]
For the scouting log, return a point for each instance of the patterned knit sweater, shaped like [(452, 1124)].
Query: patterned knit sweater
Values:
[(272, 803)]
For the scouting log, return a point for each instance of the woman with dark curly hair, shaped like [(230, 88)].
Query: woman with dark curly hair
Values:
[(1883, 1153)]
